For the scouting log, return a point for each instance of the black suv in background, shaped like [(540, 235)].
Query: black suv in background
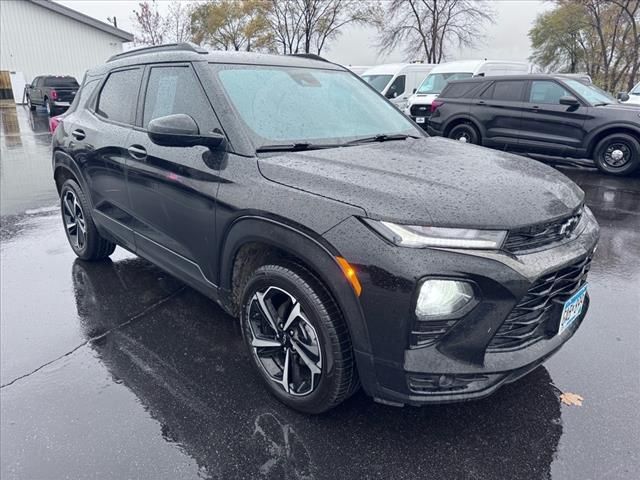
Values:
[(353, 249), (55, 93), (550, 115)]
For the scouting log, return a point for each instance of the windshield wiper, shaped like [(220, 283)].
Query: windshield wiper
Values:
[(292, 147), (380, 138)]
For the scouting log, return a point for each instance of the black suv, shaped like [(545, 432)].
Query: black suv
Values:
[(55, 93), (354, 249), (550, 115)]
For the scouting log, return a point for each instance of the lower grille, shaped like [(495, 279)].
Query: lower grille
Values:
[(420, 110), (426, 383), (426, 333), (536, 316)]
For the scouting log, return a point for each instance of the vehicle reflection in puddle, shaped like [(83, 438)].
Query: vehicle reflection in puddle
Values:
[(186, 363)]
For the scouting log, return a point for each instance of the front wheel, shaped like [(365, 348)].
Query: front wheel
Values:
[(297, 338), (31, 106), (81, 232), (617, 154), (465, 133)]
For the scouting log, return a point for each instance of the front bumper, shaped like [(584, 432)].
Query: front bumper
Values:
[(460, 366)]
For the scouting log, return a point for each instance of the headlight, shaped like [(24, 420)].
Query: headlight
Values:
[(419, 237), (442, 297)]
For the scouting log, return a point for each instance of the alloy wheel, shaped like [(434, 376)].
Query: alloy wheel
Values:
[(617, 154), (284, 342), (74, 220)]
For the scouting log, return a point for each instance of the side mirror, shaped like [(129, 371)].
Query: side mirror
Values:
[(570, 101), (415, 90), (180, 130), (623, 96)]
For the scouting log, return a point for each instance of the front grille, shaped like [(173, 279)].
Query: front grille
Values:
[(420, 110), (536, 316), (536, 236)]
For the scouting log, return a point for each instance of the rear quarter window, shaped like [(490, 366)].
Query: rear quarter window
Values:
[(458, 90), (119, 96)]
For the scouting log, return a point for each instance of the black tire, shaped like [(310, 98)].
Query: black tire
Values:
[(617, 154), (50, 110), (338, 378), (29, 104), (465, 132), (75, 211)]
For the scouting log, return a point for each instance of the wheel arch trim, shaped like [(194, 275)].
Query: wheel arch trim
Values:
[(594, 137), (460, 118)]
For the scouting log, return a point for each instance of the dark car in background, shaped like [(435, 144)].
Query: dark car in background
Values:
[(54, 92), (551, 115), (353, 249)]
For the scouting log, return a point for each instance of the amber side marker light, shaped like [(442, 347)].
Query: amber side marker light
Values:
[(350, 275)]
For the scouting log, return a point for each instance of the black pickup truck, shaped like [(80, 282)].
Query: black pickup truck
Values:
[(55, 93)]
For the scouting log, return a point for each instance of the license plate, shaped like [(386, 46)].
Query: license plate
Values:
[(420, 119), (572, 309)]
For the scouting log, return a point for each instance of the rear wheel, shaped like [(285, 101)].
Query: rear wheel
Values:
[(297, 338), (617, 154), (465, 133), (81, 232)]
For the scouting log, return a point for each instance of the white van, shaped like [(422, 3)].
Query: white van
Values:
[(358, 69), (419, 104), (397, 81)]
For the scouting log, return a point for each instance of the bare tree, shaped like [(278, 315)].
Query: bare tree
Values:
[(151, 26), (427, 28), (307, 25), (179, 22)]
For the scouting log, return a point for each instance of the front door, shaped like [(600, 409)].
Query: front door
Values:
[(173, 189), (547, 126)]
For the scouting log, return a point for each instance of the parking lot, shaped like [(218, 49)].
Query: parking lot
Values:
[(117, 370)]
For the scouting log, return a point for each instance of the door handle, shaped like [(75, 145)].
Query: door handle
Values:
[(138, 152), (78, 134), (481, 102), (536, 108)]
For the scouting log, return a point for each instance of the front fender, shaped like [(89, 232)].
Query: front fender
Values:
[(316, 253)]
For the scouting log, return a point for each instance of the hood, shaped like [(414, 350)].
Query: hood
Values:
[(626, 110), (422, 98), (431, 181)]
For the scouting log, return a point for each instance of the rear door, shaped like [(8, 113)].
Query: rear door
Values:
[(173, 189), (36, 92), (548, 127), (499, 109), (99, 146)]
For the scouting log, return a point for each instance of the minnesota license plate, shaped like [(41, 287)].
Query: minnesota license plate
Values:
[(572, 309), (420, 119)]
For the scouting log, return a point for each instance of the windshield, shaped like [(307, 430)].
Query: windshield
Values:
[(61, 82), (286, 105), (377, 81), (636, 90), (436, 82), (590, 93)]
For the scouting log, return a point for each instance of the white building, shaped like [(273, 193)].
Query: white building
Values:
[(40, 37)]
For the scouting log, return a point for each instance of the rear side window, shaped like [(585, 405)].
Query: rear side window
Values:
[(61, 82), (457, 90), (119, 96), (83, 94), (546, 92), (506, 91), (172, 90)]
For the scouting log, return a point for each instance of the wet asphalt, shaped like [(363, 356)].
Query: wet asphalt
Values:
[(116, 370)]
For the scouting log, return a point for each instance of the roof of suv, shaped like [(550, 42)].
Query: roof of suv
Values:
[(529, 76), (188, 53)]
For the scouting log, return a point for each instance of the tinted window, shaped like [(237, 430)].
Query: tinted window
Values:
[(546, 92), (397, 87), (119, 96), (174, 90), (457, 90), (61, 82), (510, 91)]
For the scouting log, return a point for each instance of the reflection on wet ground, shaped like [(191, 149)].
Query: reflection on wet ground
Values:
[(117, 370)]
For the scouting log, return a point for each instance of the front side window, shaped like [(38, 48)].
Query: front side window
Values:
[(119, 96), (547, 92), (435, 82), (379, 82), (289, 105), (397, 87), (636, 90), (172, 90), (591, 93)]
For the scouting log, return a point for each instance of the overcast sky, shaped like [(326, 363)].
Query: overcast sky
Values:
[(505, 40)]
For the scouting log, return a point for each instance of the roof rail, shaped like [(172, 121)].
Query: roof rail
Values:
[(310, 56), (169, 47)]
